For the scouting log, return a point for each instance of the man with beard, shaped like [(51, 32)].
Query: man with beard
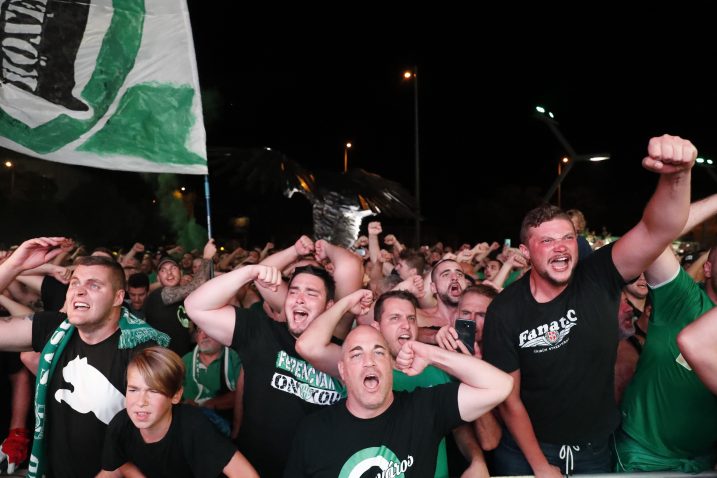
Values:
[(555, 330), (395, 313), (279, 386), (391, 433), (664, 384), (447, 283)]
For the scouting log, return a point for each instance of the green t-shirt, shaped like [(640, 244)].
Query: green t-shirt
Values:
[(201, 382), (430, 377), (666, 409)]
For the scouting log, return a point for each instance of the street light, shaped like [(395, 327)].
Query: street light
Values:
[(407, 75), (347, 146), (565, 164), (9, 165), (548, 118)]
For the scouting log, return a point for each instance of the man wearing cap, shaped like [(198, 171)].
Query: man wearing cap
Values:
[(164, 308)]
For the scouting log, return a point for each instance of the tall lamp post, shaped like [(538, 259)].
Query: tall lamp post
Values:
[(347, 146), (413, 74), (566, 164), (11, 166)]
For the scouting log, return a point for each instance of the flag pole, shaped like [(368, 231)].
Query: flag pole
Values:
[(209, 218)]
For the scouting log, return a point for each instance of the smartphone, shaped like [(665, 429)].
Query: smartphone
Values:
[(466, 333), (507, 242)]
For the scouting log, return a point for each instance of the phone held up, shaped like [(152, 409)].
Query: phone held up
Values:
[(466, 330)]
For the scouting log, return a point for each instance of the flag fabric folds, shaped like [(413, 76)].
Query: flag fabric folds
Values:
[(104, 83)]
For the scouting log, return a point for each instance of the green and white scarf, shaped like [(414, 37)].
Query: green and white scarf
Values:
[(133, 332)]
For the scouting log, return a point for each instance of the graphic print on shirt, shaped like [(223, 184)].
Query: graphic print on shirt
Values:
[(92, 392), (549, 336), (305, 382), (379, 460)]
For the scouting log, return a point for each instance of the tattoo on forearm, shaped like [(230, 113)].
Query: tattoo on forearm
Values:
[(172, 295)]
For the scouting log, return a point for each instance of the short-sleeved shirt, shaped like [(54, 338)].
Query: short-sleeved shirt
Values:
[(565, 350), (280, 388), (192, 447), (402, 441), (84, 393), (171, 319), (666, 408)]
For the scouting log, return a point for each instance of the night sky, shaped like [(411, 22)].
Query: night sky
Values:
[(306, 81), (611, 82)]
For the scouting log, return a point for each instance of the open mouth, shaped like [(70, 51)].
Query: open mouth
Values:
[(141, 416), (455, 289), (80, 305), (560, 263), (403, 338), (301, 314), (371, 382)]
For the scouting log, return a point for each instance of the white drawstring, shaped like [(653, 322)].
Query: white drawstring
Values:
[(566, 453)]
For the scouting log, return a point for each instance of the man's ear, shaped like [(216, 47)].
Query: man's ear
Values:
[(329, 304), (707, 268), (374, 324), (119, 298), (341, 372), (524, 250), (433, 288)]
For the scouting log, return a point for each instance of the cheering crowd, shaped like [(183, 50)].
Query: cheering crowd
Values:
[(320, 361)]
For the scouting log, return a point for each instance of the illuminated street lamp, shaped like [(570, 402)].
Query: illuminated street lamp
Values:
[(9, 165), (566, 164), (408, 75), (347, 146)]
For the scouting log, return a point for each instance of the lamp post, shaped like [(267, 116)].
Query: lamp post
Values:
[(347, 146), (413, 74), (11, 166), (566, 164)]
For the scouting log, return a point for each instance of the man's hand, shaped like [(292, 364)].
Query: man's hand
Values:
[(477, 469), (14, 448), (447, 338), (138, 247), (669, 154), (35, 252), (303, 246), (548, 471), (210, 249), (320, 252), (374, 228), (359, 302), (413, 358), (62, 274), (389, 240), (266, 276), (465, 255), (414, 285)]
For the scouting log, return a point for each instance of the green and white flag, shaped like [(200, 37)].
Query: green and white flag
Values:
[(104, 83)]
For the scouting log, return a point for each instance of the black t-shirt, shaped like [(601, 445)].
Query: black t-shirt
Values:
[(280, 388), (171, 319), (565, 350), (53, 293), (84, 393), (192, 447), (403, 440)]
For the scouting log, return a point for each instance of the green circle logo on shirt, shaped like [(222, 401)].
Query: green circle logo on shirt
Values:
[(375, 462), (56, 70)]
